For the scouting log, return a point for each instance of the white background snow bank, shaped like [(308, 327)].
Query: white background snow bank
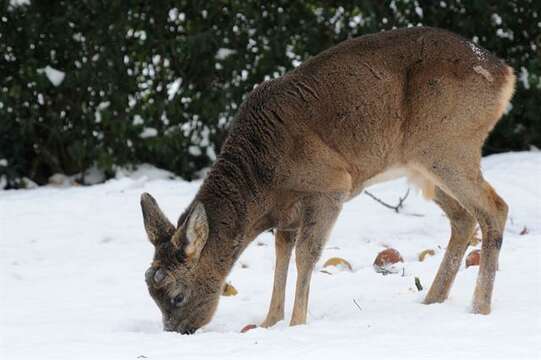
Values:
[(73, 260)]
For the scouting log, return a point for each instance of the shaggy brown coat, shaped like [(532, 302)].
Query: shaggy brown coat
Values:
[(418, 102)]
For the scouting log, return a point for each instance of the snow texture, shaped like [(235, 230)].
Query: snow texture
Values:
[(479, 52), (73, 263), (523, 77), (137, 120), (496, 19), (15, 3), (173, 88), (56, 77), (148, 132), (223, 53)]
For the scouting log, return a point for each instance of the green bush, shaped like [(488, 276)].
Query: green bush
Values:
[(159, 82)]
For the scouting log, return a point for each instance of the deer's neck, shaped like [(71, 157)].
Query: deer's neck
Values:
[(237, 203), (239, 191)]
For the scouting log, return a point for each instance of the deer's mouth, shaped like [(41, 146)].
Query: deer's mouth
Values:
[(183, 331), (188, 330)]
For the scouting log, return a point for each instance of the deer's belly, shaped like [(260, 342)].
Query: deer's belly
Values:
[(416, 176)]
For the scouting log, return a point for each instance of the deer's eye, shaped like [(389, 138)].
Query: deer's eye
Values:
[(177, 300)]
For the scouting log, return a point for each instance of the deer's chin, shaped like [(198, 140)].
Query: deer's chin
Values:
[(181, 330), (179, 327), (183, 327)]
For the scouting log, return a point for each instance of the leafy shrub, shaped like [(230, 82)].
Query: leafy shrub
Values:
[(159, 82)]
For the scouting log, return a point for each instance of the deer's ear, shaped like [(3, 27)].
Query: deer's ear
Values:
[(157, 226), (197, 231)]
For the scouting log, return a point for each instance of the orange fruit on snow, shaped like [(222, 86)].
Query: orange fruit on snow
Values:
[(473, 258), (338, 262), (248, 328), (388, 256), (229, 290), (385, 260), (423, 254)]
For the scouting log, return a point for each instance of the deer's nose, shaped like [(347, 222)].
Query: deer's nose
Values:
[(169, 325), (188, 331)]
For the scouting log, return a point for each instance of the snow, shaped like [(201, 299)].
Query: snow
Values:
[(479, 52), (496, 19), (56, 77), (148, 132), (194, 150), (73, 263), (137, 120), (523, 77), (419, 11), (144, 173), (173, 88), (91, 176), (223, 53), (505, 34), (15, 3)]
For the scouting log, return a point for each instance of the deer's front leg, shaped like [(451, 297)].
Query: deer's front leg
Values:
[(319, 214), (284, 242)]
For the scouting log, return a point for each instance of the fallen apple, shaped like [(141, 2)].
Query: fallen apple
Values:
[(423, 254), (473, 258), (339, 263), (386, 259), (248, 328), (229, 290)]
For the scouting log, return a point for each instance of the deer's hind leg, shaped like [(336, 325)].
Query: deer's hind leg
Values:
[(461, 178), (462, 228), (284, 242)]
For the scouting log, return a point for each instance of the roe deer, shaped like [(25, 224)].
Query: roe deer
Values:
[(417, 102)]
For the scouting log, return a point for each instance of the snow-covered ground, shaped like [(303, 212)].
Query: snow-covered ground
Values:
[(72, 263)]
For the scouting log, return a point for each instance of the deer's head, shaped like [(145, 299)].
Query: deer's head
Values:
[(183, 286)]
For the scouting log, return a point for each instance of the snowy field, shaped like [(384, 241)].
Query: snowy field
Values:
[(73, 261)]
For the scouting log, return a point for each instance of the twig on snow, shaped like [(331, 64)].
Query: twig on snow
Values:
[(396, 207), (418, 284), (355, 302)]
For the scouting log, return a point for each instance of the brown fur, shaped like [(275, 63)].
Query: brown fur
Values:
[(418, 102)]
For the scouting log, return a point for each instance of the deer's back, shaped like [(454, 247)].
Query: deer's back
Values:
[(379, 100)]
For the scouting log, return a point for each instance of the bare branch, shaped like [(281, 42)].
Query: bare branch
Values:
[(397, 207)]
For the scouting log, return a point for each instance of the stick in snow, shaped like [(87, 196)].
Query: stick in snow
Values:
[(418, 284), (397, 207), (355, 302)]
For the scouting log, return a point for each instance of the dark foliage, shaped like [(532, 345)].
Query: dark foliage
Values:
[(159, 82)]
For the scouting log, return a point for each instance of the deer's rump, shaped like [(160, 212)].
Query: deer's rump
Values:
[(403, 85)]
